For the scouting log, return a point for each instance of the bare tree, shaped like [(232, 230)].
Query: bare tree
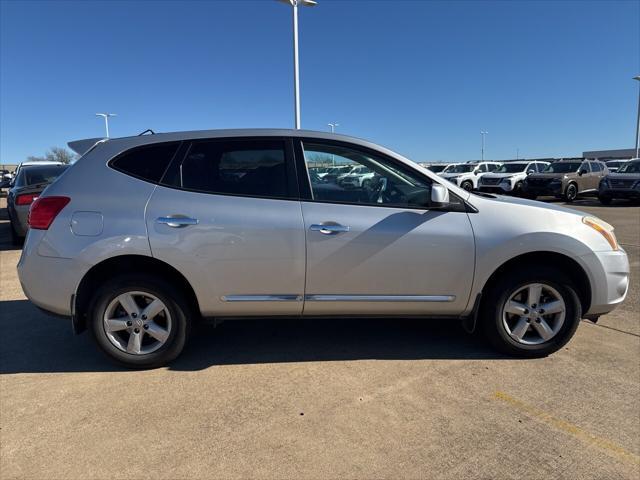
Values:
[(54, 154), (60, 154)]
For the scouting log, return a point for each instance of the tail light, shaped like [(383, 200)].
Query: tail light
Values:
[(44, 211), (26, 198)]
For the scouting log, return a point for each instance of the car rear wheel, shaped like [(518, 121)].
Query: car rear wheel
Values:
[(139, 321), (16, 239), (571, 192), (530, 313)]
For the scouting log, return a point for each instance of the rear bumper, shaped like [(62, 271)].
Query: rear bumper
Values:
[(48, 282)]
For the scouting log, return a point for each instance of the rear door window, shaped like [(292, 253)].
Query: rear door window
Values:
[(247, 167), (595, 166), (148, 162)]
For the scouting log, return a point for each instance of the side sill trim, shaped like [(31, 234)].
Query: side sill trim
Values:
[(261, 298), (379, 298), (338, 298)]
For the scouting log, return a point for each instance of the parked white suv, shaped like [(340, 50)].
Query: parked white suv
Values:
[(144, 236), (466, 175), (509, 177)]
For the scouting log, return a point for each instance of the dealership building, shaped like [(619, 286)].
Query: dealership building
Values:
[(622, 154)]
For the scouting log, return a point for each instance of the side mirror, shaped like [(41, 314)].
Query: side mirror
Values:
[(529, 172), (439, 195), (476, 172), (582, 172)]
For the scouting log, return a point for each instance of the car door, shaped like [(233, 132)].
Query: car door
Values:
[(597, 172), (379, 249), (227, 216), (588, 180)]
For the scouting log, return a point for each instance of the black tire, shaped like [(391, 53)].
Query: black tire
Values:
[(16, 240), (167, 293), (467, 185), (497, 294), (605, 200), (570, 193), (517, 189)]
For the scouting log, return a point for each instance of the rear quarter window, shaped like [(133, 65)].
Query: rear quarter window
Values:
[(148, 162)]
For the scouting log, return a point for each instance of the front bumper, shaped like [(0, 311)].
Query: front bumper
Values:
[(554, 189), (500, 188), (609, 278), (612, 192)]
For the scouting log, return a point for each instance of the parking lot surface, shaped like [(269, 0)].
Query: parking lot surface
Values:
[(307, 399)]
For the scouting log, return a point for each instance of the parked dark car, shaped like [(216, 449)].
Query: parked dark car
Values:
[(614, 165), (566, 179), (625, 183), (28, 185)]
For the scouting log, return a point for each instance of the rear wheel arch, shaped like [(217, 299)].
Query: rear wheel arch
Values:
[(121, 265), (566, 265)]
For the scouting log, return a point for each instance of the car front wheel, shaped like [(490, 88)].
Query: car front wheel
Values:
[(605, 200), (467, 185), (139, 321), (530, 313), (571, 192)]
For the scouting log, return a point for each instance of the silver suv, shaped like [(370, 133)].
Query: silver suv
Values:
[(146, 235)]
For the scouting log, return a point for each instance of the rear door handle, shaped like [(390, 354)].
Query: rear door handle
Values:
[(329, 229), (177, 221)]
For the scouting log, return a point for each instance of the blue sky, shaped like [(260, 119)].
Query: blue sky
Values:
[(421, 77)]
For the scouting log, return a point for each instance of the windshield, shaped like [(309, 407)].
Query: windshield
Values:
[(630, 167), (562, 167), (35, 175), (459, 168), (437, 168), (511, 168)]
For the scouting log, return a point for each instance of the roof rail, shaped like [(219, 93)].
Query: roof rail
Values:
[(148, 130)]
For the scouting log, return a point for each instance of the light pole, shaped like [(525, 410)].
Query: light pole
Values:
[(638, 123), (333, 130), (483, 133), (296, 75), (106, 119)]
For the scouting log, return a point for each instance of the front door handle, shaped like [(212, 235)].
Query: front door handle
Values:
[(177, 221), (329, 229)]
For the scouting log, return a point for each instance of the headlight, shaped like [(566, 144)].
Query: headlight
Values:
[(506, 180), (604, 229)]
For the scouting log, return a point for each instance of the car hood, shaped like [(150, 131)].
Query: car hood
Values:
[(500, 175), (549, 175), (453, 175), (503, 199)]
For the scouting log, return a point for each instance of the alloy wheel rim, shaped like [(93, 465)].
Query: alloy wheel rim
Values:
[(534, 314), (137, 323), (571, 192)]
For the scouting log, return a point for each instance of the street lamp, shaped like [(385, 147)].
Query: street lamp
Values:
[(483, 134), (106, 119), (638, 123), (333, 130), (296, 75)]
